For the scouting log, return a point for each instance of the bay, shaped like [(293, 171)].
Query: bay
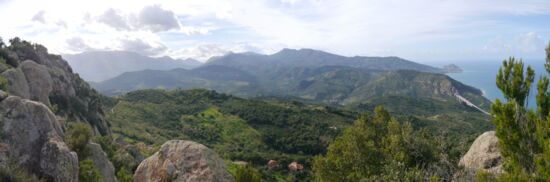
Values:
[(482, 75)]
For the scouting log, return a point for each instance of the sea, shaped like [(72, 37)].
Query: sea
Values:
[(481, 74)]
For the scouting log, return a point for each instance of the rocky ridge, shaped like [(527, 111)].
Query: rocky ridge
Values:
[(36, 75), (38, 96)]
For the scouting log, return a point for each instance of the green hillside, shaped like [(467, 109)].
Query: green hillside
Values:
[(258, 130), (334, 85)]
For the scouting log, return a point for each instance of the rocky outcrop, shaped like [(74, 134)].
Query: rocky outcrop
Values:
[(39, 81), (272, 164), (295, 166), (46, 78), (101, 162), (17, 83), (484, 154), (179, 160), (32, 136)]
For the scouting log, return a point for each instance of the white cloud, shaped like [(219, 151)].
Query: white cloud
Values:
[(39, 17), (156, 19), (529, 42), (142, 47), (77, 44), (524, 43), (350, 27), (114, 19), (152, 18)]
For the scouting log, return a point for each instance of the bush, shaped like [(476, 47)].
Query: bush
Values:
[(8, 58), (107, 145), (3, 65), (10, 173), (3, 83), (247, 174), (88, 173), (482, 176), (124, 175), (77, 137)]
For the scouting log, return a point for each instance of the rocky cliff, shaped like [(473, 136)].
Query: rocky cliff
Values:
[(32, 73), (179, 160), (39, 94)]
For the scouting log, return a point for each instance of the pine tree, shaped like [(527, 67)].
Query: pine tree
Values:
[(523, 133)]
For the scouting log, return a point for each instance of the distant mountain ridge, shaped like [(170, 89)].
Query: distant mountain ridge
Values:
[(306, 74), (259, 64), (98, 66)]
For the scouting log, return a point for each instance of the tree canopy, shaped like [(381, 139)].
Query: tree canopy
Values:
[(523, 133), (376, 148)]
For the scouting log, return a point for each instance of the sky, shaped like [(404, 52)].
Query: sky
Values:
[(418, 30)]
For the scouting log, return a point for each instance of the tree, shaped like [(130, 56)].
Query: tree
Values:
[(524, 134), (77, 138), (374, 148)]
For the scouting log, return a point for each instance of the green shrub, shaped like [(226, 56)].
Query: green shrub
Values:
[(3, 83), (77, 137), (11, 173), (124, 175), (88, 173), (106, 144), (3, 65), (482, 176), (247, 174)]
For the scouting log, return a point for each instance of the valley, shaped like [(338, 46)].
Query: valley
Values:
[(290, 114)]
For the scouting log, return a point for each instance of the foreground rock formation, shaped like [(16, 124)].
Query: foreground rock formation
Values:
[(38, 94), (179, 160), (484, 154), (39, 76), (32, 137)]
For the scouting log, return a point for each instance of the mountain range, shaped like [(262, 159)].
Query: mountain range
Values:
[(96, 66), (307, 75)]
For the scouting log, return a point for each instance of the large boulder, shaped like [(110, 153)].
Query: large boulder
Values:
[(32, 136), (17, 83), (179, 160), (101, 162), (484, 155), (39, 81)]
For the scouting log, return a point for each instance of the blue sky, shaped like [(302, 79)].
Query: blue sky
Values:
[(419, 30)]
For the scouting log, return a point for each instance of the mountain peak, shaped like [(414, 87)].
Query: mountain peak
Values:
[(286, 51)]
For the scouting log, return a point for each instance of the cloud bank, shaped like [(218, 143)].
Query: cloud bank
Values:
[(414, 29)]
